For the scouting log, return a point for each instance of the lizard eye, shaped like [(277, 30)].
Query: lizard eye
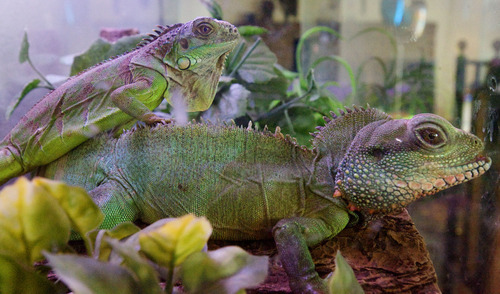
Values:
[(431, 136), (204, 29)]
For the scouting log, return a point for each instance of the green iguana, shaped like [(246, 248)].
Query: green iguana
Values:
[(255, 185), (181, 63)]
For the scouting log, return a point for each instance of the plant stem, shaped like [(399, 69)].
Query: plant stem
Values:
[(50, 86), (282, 106), (244, 58), (169, 286)]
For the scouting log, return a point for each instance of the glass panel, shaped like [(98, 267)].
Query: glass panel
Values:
[(403, 57)]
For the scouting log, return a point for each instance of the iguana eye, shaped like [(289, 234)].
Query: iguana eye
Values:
[(431, 136), (205, 28)]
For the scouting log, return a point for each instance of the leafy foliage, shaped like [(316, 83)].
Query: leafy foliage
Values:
[(229, 268), (125, 259), (343, 281), (101, 50), (16, 277), (416, 85), (213, 8), (34, 84), (25, 203), (26, 89), (25, 48), (88, 275)]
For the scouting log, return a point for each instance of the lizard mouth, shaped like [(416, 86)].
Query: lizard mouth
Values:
[(403, 192), (466, 172)]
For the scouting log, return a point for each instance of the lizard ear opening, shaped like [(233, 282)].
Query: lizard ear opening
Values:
[(377, 153), (183, 63)]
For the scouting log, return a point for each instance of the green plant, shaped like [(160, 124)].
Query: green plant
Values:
[(416, 85), (124, 259)]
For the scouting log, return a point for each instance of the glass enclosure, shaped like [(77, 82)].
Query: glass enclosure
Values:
[(403, 57)]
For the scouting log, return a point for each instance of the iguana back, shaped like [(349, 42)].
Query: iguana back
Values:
[(244, 181)]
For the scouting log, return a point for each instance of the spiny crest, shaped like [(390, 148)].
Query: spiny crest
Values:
[(142, 127), (336, 135), (361, 115), (162, 30)]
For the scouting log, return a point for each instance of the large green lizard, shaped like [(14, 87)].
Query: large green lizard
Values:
[(181, 63), (255, 185)]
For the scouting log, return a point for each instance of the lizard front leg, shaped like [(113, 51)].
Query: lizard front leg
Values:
[(146, 90), (115, 202), (294, 235)]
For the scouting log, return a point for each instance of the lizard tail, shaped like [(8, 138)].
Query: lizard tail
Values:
[(9, 166)]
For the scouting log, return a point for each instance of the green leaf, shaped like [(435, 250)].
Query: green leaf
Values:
[(87, 275), (102, 50), (23, 234), (18, 278), (346, 66), (257, 63), (289, 75), (274, 103), (302, 40), (226, 270), (82, 211), (248, 31), (97, 52), (146, 275), (170, 244), (102, 249), (27, 88), (213, 8), (343, 279), (25, 47), (124, 44), (277, 85)]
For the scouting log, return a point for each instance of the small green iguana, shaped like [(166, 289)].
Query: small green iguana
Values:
[(181, 63), (255, 185)]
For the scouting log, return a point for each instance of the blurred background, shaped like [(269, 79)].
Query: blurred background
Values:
[(404, 57)]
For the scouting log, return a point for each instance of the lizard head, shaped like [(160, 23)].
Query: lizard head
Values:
[(391, 162), (196, 60)]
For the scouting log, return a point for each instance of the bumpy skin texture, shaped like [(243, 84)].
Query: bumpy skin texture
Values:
[(181, 63), (256, 185)]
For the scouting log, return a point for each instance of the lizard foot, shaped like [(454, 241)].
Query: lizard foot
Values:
[(153, 119)]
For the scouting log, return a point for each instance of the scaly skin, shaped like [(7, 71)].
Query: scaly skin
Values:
[(182, 63), (255, 185)]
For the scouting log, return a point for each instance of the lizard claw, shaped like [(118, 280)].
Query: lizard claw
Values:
[(167, 121), (154, 119)]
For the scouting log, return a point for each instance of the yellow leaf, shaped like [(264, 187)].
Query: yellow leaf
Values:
[(170, 244), (83, 213), (30, 221)]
